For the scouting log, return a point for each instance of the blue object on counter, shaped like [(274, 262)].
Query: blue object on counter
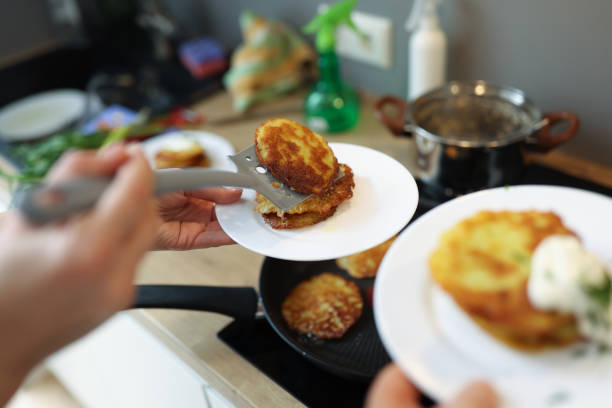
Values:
[(203, 57), (110, 117), (200, 50)]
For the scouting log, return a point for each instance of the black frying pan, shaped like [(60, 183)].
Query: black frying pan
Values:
[(359, 354)]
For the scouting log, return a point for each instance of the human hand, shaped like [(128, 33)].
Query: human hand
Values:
[(391, 389), (60, 280), (189, 219)]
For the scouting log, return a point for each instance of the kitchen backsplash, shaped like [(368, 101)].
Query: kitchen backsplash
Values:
[(557, 51)]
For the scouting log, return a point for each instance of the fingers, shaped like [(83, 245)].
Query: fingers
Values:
[(217, 195), (191, 210), (88, 163), (190, 235), (214, 236), (475, 395), (391, 389), (121, 206)]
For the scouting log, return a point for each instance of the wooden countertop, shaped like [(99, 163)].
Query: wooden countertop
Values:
[(192, 336)]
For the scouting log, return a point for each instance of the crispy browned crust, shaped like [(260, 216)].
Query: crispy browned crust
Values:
[(341, 191), (365, 264), (296, 156), (191, 157), (293, 221), (562, 335), (325, 306)]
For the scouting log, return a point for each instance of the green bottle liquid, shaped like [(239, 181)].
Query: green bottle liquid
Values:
[(331, 105)]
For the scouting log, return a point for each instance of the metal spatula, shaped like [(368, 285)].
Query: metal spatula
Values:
[(44, 203)]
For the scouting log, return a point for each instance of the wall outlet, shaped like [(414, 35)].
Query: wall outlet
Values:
[(375, 49)]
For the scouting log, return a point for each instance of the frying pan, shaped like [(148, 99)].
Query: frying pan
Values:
[(358, 355)]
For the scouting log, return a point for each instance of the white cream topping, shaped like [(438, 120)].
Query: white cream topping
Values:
[(567, 278)]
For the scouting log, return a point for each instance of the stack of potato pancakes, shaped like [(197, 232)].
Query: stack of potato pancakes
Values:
[(303, 161), (484, 263)]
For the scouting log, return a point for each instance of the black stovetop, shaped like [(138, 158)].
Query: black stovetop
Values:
[(258, 343)]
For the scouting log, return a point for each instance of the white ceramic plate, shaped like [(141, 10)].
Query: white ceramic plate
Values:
[(216, 147), (42, 114), (384, 199), (441, 349)]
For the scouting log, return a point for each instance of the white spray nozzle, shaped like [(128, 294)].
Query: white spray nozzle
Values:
[(421, 8)]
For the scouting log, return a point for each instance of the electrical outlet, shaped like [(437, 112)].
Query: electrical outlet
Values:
[(375, 49)]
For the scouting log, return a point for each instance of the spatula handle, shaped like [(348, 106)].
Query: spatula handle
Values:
[(47, 203)]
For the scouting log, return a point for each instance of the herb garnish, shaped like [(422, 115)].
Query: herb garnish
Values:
[(600, 294)]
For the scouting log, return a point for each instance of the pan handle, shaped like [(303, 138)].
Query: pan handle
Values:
[(237, 302), (547, 141), (395, 122)]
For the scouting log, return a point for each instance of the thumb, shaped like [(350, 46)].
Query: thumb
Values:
[(476, 395)]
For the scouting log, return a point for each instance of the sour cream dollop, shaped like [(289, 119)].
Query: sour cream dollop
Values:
[(566, 278)]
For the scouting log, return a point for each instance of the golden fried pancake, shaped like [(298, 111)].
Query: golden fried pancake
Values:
[(292, 221), (341, 191), (484, 261), (325, 306), (296, 156), (191, 156), (561, 336), (365, 264)]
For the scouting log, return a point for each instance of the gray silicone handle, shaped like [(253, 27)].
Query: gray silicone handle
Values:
[(47, 203)]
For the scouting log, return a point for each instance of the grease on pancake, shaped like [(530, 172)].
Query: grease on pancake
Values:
[(326, 306), (484, 263), (296, 156), (365, 264)]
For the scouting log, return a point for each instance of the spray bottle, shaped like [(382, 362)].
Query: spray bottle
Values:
[(427, 49), (332, 105)]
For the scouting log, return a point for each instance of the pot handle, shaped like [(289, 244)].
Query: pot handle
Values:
[(237, 302), (394, 123), (547, 141)]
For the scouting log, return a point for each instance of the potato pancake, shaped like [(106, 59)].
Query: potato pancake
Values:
[(191, 156), (365, 264), (485, 260), (326, 306), (296, 156), (341, 191), (293, 221), (484, 263), (561, 336)]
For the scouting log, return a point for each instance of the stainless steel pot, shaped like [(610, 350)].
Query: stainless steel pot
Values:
[(472, 135)]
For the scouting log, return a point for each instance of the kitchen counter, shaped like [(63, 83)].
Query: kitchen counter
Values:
[(192, 336)]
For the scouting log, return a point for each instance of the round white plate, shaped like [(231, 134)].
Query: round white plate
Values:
[(384, 199), (439, 347), (216, 147), (42, 114)]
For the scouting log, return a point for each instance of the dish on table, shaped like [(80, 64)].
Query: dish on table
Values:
[(384, 199), (42, 114), (216, 148), (442, 349)]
